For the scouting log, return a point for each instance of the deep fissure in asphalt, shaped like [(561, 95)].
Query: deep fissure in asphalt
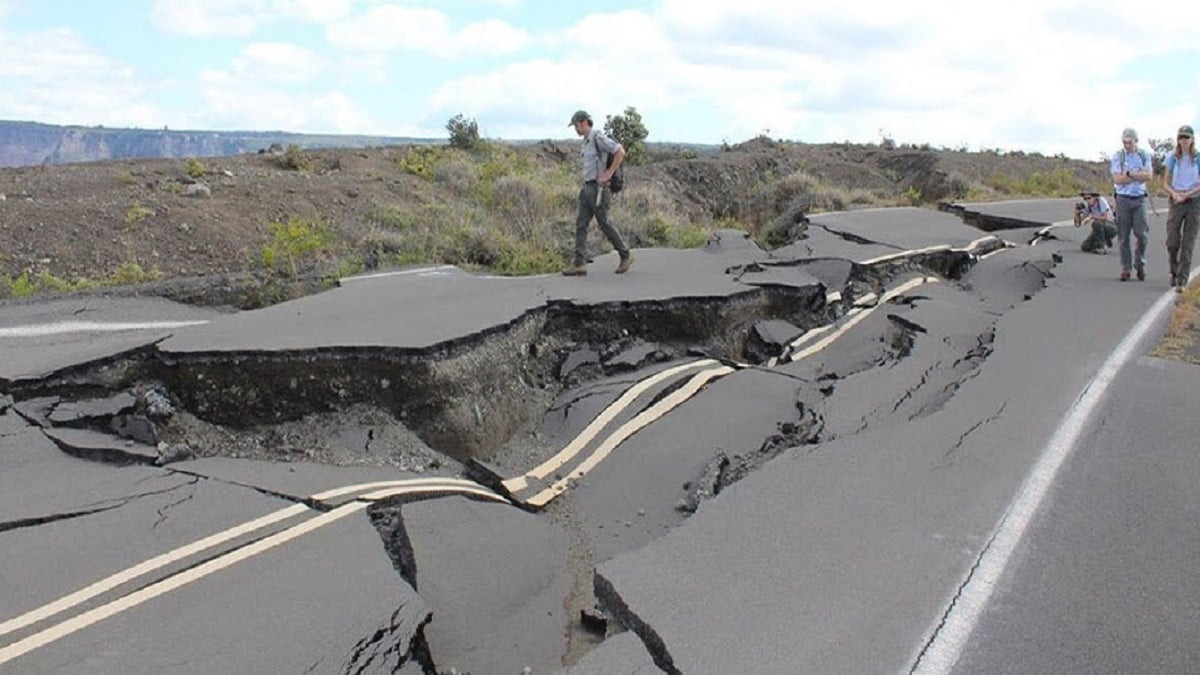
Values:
[(468, 399)]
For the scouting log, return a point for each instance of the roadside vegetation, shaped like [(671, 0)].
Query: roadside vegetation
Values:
[(1182, 339), (26, 283), (294, 215)]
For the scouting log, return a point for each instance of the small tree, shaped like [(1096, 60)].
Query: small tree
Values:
[(1160, 148), (630, 133), (464, 132)]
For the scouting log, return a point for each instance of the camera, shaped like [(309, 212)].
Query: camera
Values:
[(1081, 206)]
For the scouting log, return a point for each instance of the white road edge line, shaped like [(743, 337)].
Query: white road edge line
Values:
[(400, 273), (63, 327), (947, 642)]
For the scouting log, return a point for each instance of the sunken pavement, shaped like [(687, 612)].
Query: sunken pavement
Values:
[(504, 475)]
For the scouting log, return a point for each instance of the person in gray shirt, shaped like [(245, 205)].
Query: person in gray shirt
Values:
[(594, 195)]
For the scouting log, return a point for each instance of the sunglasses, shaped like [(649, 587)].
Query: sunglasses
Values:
[(1184, 137)]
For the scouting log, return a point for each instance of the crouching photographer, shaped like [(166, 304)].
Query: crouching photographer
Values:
[(1095, 212)]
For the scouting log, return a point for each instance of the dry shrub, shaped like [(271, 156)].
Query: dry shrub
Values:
[(646, 215), (1182, 339), (519, 204), (457, 175)]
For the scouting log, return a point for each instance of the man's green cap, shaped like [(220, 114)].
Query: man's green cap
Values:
[(579, 116)]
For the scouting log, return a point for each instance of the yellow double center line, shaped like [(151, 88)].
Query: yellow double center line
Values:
[(805, 346), (381, 490)]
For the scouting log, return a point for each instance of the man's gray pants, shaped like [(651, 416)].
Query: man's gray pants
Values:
[(589, 209), (1182, 223), (1131, 218)]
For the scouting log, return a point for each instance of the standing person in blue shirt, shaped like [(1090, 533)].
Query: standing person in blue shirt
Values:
[(594, 194), (1183, 187), (1130, 170), (1095, 212)]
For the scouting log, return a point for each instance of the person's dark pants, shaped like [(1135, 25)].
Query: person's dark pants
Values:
[(1101, 237), (1182, 222), (1131, 219), (589, 209)]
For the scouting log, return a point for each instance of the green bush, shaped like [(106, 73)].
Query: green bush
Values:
[(296, 240), (137, 213), (129, 273), (195, 168), (464, 133), (294, 159), (419, 160), (630, 132)]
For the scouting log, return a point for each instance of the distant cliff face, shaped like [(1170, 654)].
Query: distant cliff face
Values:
[(31, 143)]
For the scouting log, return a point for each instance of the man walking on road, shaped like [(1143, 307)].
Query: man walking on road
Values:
[(1183, 187), (1131, 169), (594, 195)]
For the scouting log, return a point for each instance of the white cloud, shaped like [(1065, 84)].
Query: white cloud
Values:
[(1021, 74), (56, 77), (235, 102), (208, 18), (314, 11), (277, 61), (386, 28), (240, 18)]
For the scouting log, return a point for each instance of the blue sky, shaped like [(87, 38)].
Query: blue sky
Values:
[(1047, 76)]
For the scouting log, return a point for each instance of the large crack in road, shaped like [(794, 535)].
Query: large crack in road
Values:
[(488, 397)]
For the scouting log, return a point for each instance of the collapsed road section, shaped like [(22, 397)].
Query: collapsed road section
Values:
[(707, 368)]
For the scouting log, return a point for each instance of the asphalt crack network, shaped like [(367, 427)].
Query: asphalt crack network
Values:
[(100, 507), (856, 239), (162, 511), (962, 438), (306, 501)]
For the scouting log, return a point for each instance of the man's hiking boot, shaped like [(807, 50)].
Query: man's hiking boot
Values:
[(626, 263), (1124, 275), (1141, 273), (574, 270)]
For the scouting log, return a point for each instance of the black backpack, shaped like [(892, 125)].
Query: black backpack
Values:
[(618, 178)]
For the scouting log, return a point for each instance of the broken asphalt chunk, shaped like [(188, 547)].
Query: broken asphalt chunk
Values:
[(75, 413), (136, 427), (623, 653), (495, 578), (93, 445), (37, 410)]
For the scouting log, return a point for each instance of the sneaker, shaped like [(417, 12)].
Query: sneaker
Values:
[(1124, 275), (626, 263), (574, 270), (1141, 273)]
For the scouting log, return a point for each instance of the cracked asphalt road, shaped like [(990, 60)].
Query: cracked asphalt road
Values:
[(809, 514)]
